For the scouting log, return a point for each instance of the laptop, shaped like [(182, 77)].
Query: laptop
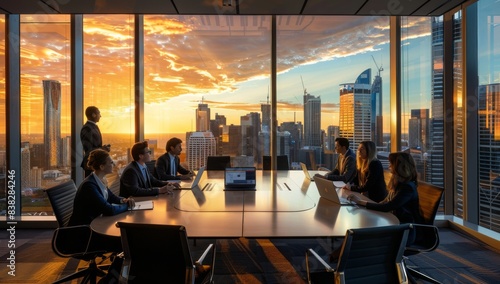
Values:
[(240, 178), (306, 172), (185, 184), (328, 190)]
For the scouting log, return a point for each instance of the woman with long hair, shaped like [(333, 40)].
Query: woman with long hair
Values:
[(370, 173), (402, 199)]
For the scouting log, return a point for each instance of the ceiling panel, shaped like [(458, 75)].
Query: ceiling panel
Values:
[(246, 7)]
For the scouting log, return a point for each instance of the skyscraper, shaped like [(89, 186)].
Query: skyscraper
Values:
[(356, 109), (250, 128), (199, 145), (418, 136), (312, 120), (202, 117), (377, 123), (52, 123)]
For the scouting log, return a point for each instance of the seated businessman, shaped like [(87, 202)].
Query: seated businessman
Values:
[(136, 179)]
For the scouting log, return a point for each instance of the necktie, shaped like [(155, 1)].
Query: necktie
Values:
[(145, 175)]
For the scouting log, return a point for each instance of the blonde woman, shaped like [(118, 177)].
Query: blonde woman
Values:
[(370, 173)]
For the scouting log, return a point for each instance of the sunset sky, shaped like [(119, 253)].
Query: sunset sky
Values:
[(224, 60)]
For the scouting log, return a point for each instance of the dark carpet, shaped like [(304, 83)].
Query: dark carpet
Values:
[(458, 259)]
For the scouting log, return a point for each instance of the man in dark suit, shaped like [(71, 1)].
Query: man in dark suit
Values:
[(136, 180), (90, 135), (168, 165), (345, 170)]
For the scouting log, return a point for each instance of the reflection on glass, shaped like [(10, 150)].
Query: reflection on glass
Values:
[(3, 125)]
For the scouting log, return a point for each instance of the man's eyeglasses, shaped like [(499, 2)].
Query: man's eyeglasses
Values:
[(147, 152)]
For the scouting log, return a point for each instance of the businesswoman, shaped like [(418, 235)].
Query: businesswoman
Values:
[(402, 199), (94, 198), (370, 173)]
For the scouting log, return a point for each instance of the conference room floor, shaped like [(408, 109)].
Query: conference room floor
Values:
[(458, 259)]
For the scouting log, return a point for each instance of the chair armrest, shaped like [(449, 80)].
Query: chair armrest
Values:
[(199, 263), (210, 248), (326, 266), (427, 239), (73, 241)]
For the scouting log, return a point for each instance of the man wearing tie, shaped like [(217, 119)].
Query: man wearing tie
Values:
[(90, 135), (168, 165), (345, 170), (136, 180)]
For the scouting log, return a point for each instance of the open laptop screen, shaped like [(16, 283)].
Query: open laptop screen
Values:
[(240, 178)]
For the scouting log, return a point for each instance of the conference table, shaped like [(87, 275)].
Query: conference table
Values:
[(284, 204)]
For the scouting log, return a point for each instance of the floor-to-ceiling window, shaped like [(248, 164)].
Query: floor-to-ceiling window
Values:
[(45, 108), (206, 81), (331, 84), (108, 53), (489, 113)]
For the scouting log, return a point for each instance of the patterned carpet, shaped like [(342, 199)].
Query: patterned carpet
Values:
[(457, 260)]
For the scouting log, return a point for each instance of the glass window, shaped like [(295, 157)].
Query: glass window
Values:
[(109, 83), (489, 113), (422, 119), (206, 81), (45, 108), (331, 84)]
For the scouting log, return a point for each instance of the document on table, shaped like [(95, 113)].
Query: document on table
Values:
[(143, 205), (339, 184)]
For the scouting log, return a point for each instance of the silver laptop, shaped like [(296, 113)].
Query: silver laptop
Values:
[(185, 184), (328, 190), (306, 172)]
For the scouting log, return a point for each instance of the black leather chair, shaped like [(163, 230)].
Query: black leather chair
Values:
[(160, 254), (218, 163), (368, 255), (281, 160), (73, 241), (427, 235)]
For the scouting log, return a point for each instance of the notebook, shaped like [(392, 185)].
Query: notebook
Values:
[(143, 205), (191, 184), (240, 178), (306, 172), (328, 190)]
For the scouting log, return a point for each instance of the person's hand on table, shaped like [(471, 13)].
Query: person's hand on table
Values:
[(187, 176), (174, 185), (320, 175), (347, 186), (356, 199), (129, 201)]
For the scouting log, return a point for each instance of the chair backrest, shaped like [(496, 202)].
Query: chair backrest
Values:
[(156, 253), (373, 255), (218, 163), (281, 160), (429, 198), (61, 198)]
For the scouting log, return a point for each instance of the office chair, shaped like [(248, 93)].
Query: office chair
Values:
[(218, 163), (427, 235), (72, 241), (173, 262), (368, 255), (281, 160)]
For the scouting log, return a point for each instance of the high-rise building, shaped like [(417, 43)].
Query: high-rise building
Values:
[(25, 165), (356, 109), (295, 129), (199, 145), (250, 128), (52, 123), (377, 121), (202, 117), (418, 134), (230, 141), (312, 120), (266, 116), (332, 133)]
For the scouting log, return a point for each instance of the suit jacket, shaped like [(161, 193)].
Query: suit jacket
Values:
[(89, 203), (162, 168), (345, 170), (374, 183), (132, 182), (91, 138)]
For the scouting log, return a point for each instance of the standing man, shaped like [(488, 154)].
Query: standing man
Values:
[(90, 135), (168, 165), (136, 180), (345, 170)]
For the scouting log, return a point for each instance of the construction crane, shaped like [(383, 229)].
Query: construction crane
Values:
[(378, 69), (305, 91)]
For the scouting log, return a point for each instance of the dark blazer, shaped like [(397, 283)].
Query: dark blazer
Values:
[(374, 183), (403, 203), (132, 182), (345, 172), (90, 203), (91, 138), (162, 168)]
